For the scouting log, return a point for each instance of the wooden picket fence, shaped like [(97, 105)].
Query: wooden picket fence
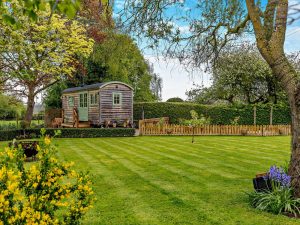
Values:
[(251, 130)]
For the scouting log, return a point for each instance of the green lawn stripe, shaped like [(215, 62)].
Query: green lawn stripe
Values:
[(141, 212), (160, 186)]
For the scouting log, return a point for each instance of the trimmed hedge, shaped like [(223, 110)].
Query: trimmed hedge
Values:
[(68, 133), (218, 114)]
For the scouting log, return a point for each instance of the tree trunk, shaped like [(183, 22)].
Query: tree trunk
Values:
[(287, 76), (30, 107)]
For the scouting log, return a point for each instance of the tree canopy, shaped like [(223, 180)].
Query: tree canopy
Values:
[(10, 107), (32, 9), (38, 54), (240, 75)]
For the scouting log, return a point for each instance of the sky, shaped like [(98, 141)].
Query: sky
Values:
[(177, 79)]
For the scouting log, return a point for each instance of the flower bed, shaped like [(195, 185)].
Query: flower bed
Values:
[(273, 193)]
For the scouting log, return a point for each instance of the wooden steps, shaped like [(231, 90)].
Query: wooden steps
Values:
[(80, 125)]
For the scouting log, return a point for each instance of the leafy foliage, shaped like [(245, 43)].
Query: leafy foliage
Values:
[(33, 8), (218, 114), (175, 99), (36, 193), (10, 107), (240, 75), (279, 200), (53, 94), (37, 54), (196, 120)]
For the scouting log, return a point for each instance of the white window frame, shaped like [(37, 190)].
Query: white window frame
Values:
[(73, 101), (120, 98)]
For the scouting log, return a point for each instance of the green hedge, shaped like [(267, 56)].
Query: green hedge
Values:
[(218, 114), (68, 133)]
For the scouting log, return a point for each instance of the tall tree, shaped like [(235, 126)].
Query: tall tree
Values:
[(38, 54), (118, 58), (156, 82), (212, 25), (241, 75)]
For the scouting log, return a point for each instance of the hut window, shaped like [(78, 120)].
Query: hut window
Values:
[(94, 99), (83, 100), (117, 98), (85, 103), (71, 101)]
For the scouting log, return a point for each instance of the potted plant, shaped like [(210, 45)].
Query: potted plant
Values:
[(262, 182), (126, 123), (29, 148), (114, 123)]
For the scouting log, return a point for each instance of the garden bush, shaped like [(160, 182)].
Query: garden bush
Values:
[(44, 192), (68, 133), (218, 114), (279, 199)]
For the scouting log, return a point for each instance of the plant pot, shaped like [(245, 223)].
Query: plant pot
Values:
[(29, 147), (261, 184)]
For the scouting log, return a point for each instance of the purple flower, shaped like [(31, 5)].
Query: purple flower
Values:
[(278, 175)]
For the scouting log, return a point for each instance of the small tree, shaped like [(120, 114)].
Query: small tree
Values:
[(196, 122)]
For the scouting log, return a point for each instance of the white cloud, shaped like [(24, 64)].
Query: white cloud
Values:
[(176, 79)]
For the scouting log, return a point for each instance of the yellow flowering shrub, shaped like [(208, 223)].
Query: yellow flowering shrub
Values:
[(43, 192)]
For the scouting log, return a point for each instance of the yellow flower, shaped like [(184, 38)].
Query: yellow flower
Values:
[(35, 185), (47, 140), (12, 186), (38, 148)]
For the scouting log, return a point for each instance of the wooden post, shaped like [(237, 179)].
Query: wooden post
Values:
[(141, 124), (17, 120), (254, 115), (271, 115)]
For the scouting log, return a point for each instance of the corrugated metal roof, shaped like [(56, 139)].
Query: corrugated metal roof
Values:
[(84, 87)]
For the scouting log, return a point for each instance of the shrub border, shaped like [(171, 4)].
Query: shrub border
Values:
[(8, 135)]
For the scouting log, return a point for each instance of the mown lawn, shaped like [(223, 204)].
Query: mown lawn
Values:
[(168, 180)]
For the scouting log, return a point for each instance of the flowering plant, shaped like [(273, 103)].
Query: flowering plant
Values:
[(279, 197), (278, 176), (45, 192)]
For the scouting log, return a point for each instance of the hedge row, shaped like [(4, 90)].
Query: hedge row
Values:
[(68, 133), (218, 114)]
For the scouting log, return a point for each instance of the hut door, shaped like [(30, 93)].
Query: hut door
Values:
[(83, 107)]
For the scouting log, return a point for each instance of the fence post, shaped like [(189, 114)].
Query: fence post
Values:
[(141, 123), (143, 113), (254, 115), (271, 115)]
